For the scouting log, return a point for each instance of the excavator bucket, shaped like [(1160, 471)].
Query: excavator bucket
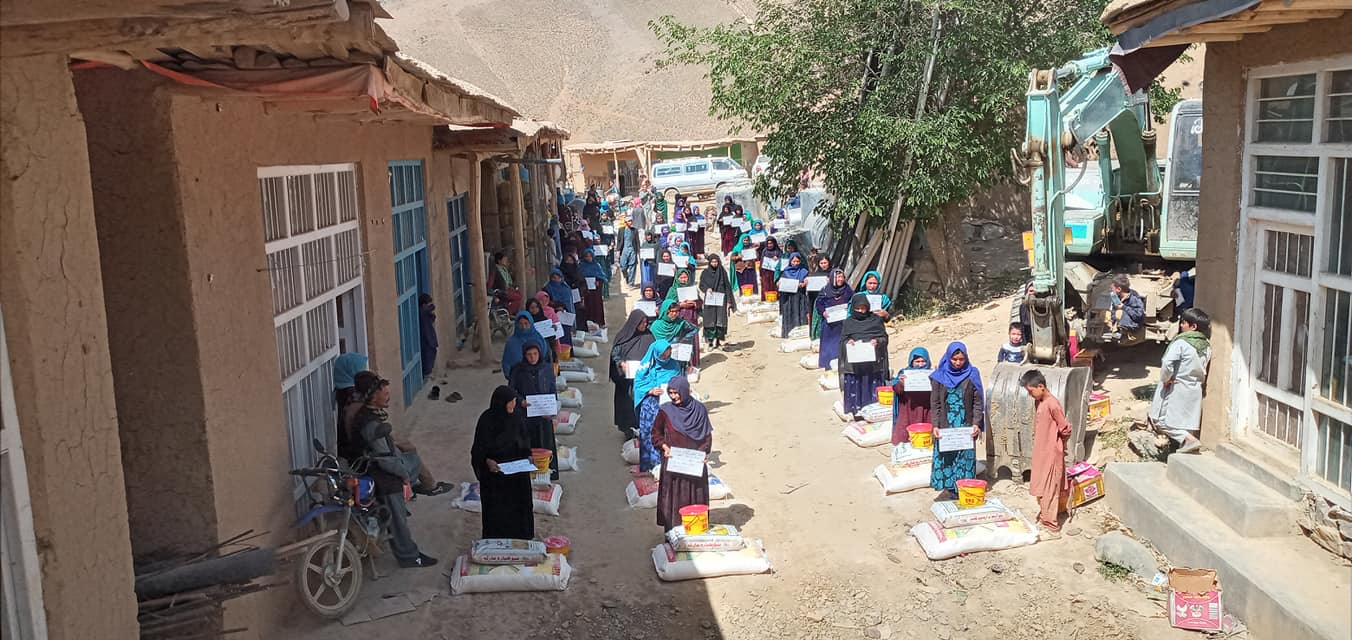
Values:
[(1010, 412)]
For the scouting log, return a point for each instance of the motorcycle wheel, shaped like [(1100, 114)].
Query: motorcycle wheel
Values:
[(329, 579)]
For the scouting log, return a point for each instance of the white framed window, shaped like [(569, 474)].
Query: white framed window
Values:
[(22, 616), (1293, 342), (315, 265)]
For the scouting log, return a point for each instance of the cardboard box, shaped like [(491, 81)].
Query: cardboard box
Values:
[(1100, 408), (1194, 599), (1084, 488)]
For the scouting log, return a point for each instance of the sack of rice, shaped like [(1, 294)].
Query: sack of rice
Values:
[(544, 500), (567, 458), (909, 469), (550, 575), (506, 551), (573, 365), (629, 451), (940, 543), (876, 412), (839, 408), (799, 331), (587, 375), (675, 565), (795, 344), (570, 398), (950, 515), (560, 383), (641, 492), (829, 381), (567, 424), (808, 362), (868, 434), (718, 490), (585, 349), (816, 346), (719, 537)]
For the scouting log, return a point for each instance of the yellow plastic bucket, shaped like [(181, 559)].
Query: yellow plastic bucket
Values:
[(971, 493), (748, 289), (565, 352), (695, 519), (772, 296), (921, 435), (885, 396), (541, 458)]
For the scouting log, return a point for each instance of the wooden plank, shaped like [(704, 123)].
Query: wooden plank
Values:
[(521, 259), (1182, 39), (39, 12), (1302, 5), (477, 269), (118, 59), (1224, 27)]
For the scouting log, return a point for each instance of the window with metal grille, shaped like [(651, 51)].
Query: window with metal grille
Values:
[(1285, 182), (1279, 420), (1339, 119), (1289, 252), (1286, 109), (1333, 460), (315, 266)]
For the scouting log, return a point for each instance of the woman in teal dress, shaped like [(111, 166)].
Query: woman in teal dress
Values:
[(957, 400)]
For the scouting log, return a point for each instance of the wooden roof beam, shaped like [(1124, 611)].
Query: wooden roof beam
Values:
[(46, 12), (1184, 39), (1224, 27), (1281, 6)]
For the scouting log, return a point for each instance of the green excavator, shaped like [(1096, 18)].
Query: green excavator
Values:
[(1101, 205)]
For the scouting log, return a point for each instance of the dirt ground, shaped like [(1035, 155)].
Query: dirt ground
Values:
[(845, 566)]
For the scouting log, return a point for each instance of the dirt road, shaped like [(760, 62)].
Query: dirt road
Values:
[(845, 566)]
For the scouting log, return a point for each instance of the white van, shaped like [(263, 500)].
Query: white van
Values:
[(695, 175)]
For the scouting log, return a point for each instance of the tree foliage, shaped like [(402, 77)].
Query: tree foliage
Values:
[(842, 86)]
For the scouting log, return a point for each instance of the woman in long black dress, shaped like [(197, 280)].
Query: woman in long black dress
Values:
[(533, 376), (508, 511), (630, 344), (715, 280), (793, 305), (682, 423), (859, 381)]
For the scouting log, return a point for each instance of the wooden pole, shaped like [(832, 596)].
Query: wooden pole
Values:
[(519, 219), (477, 267)]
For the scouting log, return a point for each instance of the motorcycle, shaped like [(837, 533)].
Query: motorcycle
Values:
[(350, 522)]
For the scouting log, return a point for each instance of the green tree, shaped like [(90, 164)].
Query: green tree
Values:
[(910, 101)]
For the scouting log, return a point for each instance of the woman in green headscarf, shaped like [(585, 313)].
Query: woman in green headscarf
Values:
[(669, 325), (871, 285)]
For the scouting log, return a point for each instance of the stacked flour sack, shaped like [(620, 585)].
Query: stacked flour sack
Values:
[(972, 523), (694, 549), (504, 564)]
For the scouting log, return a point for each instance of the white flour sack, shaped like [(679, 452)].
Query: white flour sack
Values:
[(718, 490), (586, 349), (567, 458), (560, 383), (629, 451), (719, 537), (573, 365), (506, 551), (839, 407), (830, 381), (868, 434), (762, 317), (641, 492), (876, 412), (898, 479), (586, 375), (469, 498), (571, 398), (799, 331), (808, 362), (940, 543), (567, 423), (675, 565), (950, 515), (816, 346), (545, 500), (471, 577), (795, 344)]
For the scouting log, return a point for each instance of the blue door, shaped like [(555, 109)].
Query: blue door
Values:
[(459, 228), (408, 221)]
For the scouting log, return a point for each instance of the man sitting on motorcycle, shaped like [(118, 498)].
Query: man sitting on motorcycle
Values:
[(370, 431)]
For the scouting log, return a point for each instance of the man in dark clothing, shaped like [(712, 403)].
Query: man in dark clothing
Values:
[(427, 325), (1126, 313)]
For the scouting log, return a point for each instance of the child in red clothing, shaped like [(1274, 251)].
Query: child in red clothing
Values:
[(1050, 432)]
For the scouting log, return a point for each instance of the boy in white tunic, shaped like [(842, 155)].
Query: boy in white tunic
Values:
[(1177, 408)]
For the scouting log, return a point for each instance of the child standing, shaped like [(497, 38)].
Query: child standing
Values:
[(1013, 351), (1050, 432)]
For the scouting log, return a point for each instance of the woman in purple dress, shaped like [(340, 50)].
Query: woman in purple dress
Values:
[(682, 423), (835, 293)]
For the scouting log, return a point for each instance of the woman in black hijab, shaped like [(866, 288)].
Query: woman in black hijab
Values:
[(630, 344), (664, 282), (533, 376), (684, 423), (859, 381), (508, 511), (715, 280)]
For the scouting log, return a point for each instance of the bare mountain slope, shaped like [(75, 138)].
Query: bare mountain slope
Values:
[(585, 64)]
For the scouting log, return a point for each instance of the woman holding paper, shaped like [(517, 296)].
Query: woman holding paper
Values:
[(685, 296), (666, 273), (862, 334), (793, 305), (523, 334), (532, 376), (631, 343), (593, 277), (870, 285), (911, 407), (500, 436), (769, 261), (820, 267), (957, 400), (682, 423), (628, 243), (654, 373), (833, 306), (696, 232), (538, 314), (721, 305), (728, 221), (647, 258)]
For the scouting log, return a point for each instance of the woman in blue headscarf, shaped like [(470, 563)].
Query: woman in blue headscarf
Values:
[(524, 334), (957, 401), (593, 276), (871, 284), (559, 291), (793, 306), (654, 372), (910, 407), (835, 294)]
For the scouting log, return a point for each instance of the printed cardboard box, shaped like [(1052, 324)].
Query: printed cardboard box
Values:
[(1194, 599)]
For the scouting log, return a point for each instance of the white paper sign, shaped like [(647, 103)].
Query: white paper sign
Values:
[(681, 261), (648, 307), (727, 221), (631, 368), (577, 296), (601, 250), (744, 226), (837, 313), (647, 253), (679, 227), (568, 319), (956, 439), (685, 294), (748, 254), (875, 302), (788, 285), (916, 381), (687, 462), (666, 269), (856, 352), (591, 285), (682, 352), (608, 229), (663, 398), (769, 264), (545, 328), (758, 237), (713, 298), (523, 465), (816, 283), (545, 404)]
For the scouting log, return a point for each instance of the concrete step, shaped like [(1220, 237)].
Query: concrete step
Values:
[(1262, 467), (1240, 501), (1283, 588)]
